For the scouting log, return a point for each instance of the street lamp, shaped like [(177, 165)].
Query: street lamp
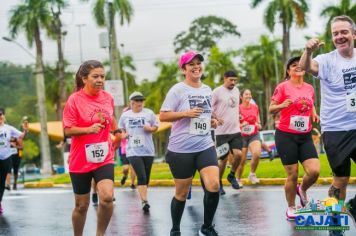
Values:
[(126, 92), (41, 101), (80, 41)]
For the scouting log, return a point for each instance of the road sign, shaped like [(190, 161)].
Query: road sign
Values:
[(115, 88)]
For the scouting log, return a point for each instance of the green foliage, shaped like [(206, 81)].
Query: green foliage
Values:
[(30, 150), (204, 33)]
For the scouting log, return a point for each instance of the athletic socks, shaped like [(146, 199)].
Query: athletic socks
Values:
[(177, 208), (211, 201)]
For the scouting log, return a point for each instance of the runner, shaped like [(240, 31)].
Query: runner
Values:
[(226, 100), (88, 117), (126, 167), (16, 146), (250, 125), (294, 99), (137, 125), (190, 147), (336, 71), (6, 133)]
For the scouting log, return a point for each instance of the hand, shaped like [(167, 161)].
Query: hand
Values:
[(316, 118), (194, 113), (95, 128), (25, 125), (259, 127), (214, 123), (220, 121), (244, 123), (124, 135), (147, 128), (313, 45), (286, 103)]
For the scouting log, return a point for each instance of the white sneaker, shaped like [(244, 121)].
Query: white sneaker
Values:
[(253, 178), (290, 213), (240, 183)]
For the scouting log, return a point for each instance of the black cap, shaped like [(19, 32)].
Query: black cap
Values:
[(230, 73), (2, 110), (289, 62)]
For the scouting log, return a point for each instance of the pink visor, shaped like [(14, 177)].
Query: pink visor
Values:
[(188, 56)]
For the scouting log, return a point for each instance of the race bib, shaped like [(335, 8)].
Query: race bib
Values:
[(299, 123), (222, 150), (199, 126), (248, 129), (2, 144), (137, 141), (96, 152), (351, 102)]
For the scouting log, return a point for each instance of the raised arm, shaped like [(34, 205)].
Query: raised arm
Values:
[(306, 61)]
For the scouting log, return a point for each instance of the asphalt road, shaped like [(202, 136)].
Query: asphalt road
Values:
[(250, 211)]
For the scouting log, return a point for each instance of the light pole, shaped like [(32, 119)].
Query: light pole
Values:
[(41, 102), (80, 41), (126, 92)]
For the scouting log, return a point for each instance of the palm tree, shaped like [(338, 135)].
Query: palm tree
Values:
[(346, 7), (260, 61), (29, 17), (287, 12)]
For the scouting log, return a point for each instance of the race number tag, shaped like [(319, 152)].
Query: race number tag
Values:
[(137, 141), (222, 150), (96, 152), (299, 123), (2, 144), (199, 126), (351, 102), (248, 129)]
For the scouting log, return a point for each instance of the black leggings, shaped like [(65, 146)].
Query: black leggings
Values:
[(5, 165), (142, 167)]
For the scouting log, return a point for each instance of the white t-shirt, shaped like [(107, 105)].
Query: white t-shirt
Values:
[(139, 142), (189, 134), (226, 107), (6, 133), (338, 91)]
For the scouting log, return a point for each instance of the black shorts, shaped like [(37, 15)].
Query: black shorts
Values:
[(234, 141), (184, 165), (340, 147), (124, 159), (294, 147), (246, 140), (81, 182)]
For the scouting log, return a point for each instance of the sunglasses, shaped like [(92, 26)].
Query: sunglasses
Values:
[(138, 100), (1, 114)]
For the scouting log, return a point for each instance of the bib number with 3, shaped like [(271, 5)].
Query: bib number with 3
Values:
[(299, 123), (96, 152), (199, 126), (351, 102)]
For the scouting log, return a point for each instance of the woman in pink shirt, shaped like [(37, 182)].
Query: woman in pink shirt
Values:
[(250, 125), (88, 117), (294, 99)]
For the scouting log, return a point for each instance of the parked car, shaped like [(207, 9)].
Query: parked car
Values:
[(267, 137)]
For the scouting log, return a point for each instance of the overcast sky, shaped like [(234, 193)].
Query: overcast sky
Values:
[(150, 34)]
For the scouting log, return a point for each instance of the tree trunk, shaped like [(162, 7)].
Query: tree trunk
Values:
[(41, 100), (285, 56)]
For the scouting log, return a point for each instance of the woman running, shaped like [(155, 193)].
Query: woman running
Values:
[(190, 147), (137, 125), (294, 99)]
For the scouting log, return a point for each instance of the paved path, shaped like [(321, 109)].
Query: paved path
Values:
[(251, 211)]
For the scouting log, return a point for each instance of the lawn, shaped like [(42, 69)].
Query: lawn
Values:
[(266, 169)]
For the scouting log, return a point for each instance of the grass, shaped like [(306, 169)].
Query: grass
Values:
[(266, 169)]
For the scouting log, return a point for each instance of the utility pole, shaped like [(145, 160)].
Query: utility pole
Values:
[(80, 41), (126, 90)]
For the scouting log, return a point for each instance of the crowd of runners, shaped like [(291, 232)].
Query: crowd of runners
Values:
[(209, 128)]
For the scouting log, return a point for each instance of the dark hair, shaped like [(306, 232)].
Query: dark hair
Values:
[(84, 71), (230, 73), (2, 110), (244, 90), (289, 62), (344, 18)]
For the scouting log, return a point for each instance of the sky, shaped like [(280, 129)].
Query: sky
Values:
[(149, 36)]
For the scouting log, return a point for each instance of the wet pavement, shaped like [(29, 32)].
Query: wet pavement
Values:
[(250, 211)]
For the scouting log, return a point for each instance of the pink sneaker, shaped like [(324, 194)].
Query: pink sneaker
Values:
[(290, 213), (303, 199)]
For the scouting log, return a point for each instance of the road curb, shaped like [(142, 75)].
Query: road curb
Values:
[(196, 182)]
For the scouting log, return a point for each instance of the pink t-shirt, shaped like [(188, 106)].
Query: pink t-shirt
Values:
[(83, 110), (250, 115), (296, 118), (226, 107)]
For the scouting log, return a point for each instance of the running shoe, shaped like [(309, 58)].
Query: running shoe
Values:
[(7, 187), (290, 213), (94, 198), (14, 186), (145, 206), (232, 179), (221, 190), (270, 155), (210, 231), (132, 186), (174, 233), (1, 210), (240, 183), (123, 180), (189, 196), (303, 199), (336, 233), (351, 209), (253, 178), (114, 200)]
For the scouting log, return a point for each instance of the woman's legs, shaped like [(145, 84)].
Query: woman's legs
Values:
[(178, 201), (79, 214), (291, 183), (311, 174), (106, 191)]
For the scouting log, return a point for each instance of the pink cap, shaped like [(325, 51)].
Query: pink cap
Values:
[(188, 56)]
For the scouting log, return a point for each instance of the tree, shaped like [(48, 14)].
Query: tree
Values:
[(204, 33), (29, 17), (286, 11), (260, 61), (346, 7)]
